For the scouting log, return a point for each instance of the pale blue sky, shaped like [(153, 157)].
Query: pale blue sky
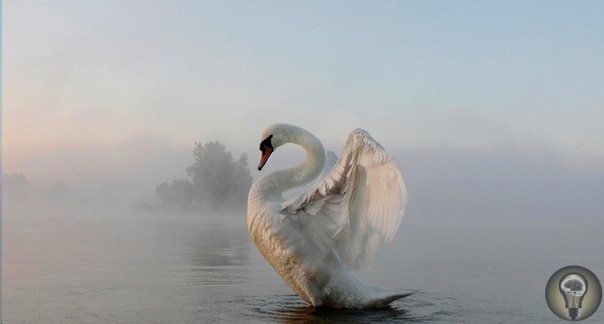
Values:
[(105, 76)]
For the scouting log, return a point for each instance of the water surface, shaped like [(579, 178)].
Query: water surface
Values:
[(87, 266)]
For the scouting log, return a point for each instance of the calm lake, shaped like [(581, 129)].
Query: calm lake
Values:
[(87, 266)]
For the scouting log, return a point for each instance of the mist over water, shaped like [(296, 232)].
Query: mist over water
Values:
[(479, 241)]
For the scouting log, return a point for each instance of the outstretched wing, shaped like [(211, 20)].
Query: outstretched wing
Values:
[(361, 201)]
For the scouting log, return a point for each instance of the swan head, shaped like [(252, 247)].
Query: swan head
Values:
[(275, 136), (266, 147)]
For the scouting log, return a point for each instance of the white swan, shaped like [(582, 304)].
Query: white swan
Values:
[(315, 240)]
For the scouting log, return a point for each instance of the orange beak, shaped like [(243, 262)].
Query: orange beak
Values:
[(266, 153)]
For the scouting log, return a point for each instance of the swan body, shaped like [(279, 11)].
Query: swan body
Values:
[(316, 240)]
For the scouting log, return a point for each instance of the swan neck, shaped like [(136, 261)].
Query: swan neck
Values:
[(283, 180)]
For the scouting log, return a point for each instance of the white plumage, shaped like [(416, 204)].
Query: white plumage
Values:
[(315, 241)]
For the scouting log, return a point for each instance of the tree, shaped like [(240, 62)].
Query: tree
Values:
[(218, 180)]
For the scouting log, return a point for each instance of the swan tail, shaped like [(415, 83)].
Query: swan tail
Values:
[(384, 297), (349, 292)]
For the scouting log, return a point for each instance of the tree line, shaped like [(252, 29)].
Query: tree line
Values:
[(216, 182)]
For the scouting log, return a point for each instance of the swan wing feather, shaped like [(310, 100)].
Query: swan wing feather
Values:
[(359, 202)]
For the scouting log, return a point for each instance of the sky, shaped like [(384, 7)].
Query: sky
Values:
[(99, 90)]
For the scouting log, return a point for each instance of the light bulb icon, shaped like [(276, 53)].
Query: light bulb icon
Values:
[(573, 288)]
